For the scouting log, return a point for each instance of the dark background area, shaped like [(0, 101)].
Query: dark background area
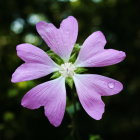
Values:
[(119, 20)]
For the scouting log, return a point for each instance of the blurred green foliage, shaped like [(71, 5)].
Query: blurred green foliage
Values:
[(119, 21)]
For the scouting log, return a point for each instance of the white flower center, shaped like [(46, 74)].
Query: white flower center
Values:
[(67, 69)]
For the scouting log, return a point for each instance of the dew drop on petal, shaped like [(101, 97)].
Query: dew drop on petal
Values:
[(111, 85)]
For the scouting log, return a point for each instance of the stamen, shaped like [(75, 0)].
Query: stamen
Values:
[(67, 69)]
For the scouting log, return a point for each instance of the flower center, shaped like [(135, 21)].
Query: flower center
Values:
[(67, 69)]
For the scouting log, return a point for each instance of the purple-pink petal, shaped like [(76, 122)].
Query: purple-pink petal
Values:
[(30, 71), (32, 54), (37, 63), (104, 86), (93, 54), (61, 40), (51, 95), (89, 97), (90, 88), (105, 57)]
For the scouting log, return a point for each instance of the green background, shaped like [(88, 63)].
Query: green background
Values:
[(119, 20)]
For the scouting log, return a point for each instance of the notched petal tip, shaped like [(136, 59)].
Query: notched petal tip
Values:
[(13, 80), (54, 123), (72, 18), (18, 47), (119, 87), (123, 54), (23, 103), (98, 117), (43, 27), (60, 40), (101, 36), (40, 23), (52, 96), (98, 114), (120, 56)]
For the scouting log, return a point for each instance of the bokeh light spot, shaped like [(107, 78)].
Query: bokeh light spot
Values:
[(17, 25), (35, 18)]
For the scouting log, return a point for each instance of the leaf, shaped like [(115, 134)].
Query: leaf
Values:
[(55, 75), (70, 82), (55, 57), (74, 53), (77, 47), (80, 70), (73, 58)]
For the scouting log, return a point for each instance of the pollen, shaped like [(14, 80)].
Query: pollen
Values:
[(67, 69)]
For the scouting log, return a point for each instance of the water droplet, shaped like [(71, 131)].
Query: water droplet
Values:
[(111, 85)]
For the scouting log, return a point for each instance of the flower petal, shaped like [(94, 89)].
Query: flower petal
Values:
[(89, 97), (61, 40), (31, 54), (90, 88), (103, 85), (30, 71), (93, 54), (51, 95), (37, 63)]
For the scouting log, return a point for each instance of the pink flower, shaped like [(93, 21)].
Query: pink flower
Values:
[(52, 94)]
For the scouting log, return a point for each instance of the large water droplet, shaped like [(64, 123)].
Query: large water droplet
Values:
[(111, 85)]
